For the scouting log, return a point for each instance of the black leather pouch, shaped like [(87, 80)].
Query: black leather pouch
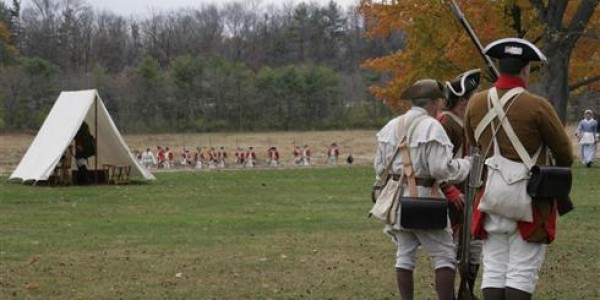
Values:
[(549, 182), (423, 213)]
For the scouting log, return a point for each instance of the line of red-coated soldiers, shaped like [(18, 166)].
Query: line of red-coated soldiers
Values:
[(213, 158)]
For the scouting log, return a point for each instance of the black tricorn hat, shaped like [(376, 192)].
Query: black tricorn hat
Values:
[(464, 83), (516, 48), (425, 89)]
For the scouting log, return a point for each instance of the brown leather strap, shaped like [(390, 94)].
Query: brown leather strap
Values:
[(425, 182), (409, 172), (401, 137)]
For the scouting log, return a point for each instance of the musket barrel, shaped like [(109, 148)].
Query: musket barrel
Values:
[(493, 72), (464, 292)]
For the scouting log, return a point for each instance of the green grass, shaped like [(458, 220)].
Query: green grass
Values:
[(277, 234)]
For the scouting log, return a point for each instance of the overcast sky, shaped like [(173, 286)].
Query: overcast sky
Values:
[(144, 7)]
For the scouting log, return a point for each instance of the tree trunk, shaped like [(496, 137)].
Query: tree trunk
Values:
[(555, 87)]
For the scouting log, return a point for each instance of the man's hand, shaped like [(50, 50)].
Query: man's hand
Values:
[(455, 197), (459, 203), (469, 159)]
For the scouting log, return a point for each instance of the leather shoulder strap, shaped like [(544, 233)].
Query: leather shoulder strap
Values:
[(407, 169), (512, 136), (491, 114)]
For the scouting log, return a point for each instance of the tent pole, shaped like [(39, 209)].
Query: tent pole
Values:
[(96, 136)]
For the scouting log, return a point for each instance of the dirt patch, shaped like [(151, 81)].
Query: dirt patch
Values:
[(12, 149)]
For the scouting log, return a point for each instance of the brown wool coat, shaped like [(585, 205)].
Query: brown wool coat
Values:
[(455, 133), (534, 121)]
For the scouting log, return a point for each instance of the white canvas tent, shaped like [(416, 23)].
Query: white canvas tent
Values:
[(59, 129)]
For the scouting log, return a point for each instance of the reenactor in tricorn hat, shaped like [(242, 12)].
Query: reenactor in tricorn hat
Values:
[(459, 91), (513, 249), (430, 152)]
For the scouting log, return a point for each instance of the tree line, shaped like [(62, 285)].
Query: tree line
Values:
[(240, 66)]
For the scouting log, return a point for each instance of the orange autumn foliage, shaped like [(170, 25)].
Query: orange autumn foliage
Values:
[(436, 46)]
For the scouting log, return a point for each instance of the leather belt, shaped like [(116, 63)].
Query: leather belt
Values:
[(424, 182)]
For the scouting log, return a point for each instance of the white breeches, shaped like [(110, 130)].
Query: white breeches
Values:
[(332, 160), (437, 243), (147, 163), (509, 261), (249, 163), (475, 248), (306, 161)]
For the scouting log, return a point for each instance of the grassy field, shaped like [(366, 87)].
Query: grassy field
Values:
[(277, 234)]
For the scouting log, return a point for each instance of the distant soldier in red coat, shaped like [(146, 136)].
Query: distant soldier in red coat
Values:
[(198, 158), (297, 155), (183, 158), (160, 157), (239, 156), (332, 154), (306, 156), (221, 157), (169, 158), (186, 158), (211, 158), (273, 157), (189, 157), (250, 158)]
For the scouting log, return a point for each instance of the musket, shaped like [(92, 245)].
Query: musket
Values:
[(464, 290), (492, 71)]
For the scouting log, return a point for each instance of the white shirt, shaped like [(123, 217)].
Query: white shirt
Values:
[(430, 150), (148, 157)]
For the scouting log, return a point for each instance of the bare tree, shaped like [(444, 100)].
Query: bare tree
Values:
[(559, 40)]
